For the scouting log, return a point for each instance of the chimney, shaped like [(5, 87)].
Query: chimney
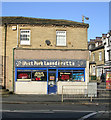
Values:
[(104, 35)]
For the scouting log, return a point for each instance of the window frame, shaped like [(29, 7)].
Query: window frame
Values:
[(100, 56), (47, 71), (63, 44), (93, 56), (25, 42), (73, 70), (29, 70)]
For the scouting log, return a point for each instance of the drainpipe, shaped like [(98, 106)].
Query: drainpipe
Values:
[(5, 55), (17, 37), (13, 71), (13, 62)]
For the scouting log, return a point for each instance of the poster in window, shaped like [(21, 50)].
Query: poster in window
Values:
[(52, 77), (108, 80), (39, 76), (78, 76), (65, 76)]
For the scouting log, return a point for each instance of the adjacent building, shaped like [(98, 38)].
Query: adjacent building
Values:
[(96, 58), (39, 56), (106, 38), (100, 56)]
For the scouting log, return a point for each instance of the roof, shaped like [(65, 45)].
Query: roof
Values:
[(97, 48), (40, 21)]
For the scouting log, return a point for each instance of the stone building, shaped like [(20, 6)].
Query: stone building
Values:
[(106, 38), (39, 56), (97, 56)]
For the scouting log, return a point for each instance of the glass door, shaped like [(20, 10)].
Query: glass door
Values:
[(52, 87)]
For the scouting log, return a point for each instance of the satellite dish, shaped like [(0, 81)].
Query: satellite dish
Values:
[(48, 42)]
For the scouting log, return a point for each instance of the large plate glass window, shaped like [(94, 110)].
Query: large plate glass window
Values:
[(71, 75), (23, 75), (65, 75), (25, 37), (31, 75), (61, 38), (39, 75), (78, 76)]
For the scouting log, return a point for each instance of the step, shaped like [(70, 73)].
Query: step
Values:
[(4, 92)]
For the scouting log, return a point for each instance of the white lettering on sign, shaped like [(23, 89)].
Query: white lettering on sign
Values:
[(70, 63), (50, 63), (73, 63)]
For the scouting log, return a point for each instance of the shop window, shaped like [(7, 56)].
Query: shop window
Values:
[(65, 76), (25, 37), (61, 38), (78, 76), (71, 75), (23, 75), (39, 75)]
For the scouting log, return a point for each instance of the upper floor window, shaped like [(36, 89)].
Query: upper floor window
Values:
[(108, 42), (93, 56), (100, 56), (25, 37), (89, 54), (61, 38), (96, 44)]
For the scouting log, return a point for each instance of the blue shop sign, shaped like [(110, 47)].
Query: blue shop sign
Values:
[(50, 63)]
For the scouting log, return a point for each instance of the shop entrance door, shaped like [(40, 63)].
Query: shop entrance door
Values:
[(52, 86)]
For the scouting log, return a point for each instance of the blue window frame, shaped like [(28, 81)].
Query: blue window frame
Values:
[(71, 74), (32, 70), (47, 69)]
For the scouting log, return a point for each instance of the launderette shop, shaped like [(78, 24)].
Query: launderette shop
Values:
[(48, 76)]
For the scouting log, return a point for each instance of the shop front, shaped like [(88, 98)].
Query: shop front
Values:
[(47, 76)]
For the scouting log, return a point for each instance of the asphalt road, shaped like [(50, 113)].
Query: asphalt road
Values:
[(42, 111)]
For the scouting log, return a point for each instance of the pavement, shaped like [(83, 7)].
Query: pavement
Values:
[(52, 98), (9, 97), (13, 98)]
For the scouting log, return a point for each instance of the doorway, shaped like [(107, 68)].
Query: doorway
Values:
[(52, 84)]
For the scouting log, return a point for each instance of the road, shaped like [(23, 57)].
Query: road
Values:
[(65, 110)]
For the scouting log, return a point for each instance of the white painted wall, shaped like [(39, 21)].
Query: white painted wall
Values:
[(70, 87), (32, 87)]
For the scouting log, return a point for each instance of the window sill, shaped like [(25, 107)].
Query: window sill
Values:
[(25, 45), (60, 46)]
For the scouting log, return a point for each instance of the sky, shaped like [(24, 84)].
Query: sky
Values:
[(98, 13)]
